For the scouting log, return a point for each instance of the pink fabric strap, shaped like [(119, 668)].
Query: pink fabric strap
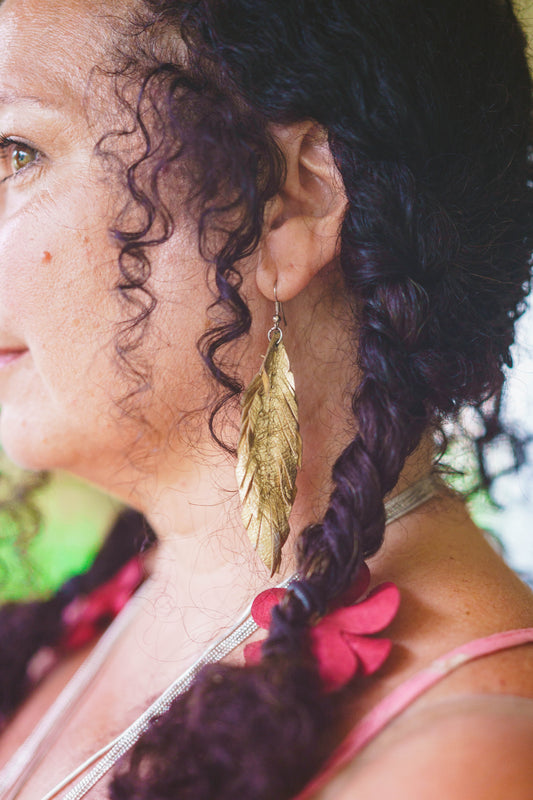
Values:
[(405, 694)]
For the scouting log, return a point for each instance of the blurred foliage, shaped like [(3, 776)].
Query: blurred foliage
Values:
[(75, 517), (460, 459)]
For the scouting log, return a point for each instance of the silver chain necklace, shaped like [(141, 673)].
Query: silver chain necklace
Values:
[(29, 755)]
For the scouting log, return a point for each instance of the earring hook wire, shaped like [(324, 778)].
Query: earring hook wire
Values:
[(278, 316)]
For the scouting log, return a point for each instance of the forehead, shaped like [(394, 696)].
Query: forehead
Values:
[(49, 48)]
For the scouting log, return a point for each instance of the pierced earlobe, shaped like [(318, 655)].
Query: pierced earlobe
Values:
[(303, 222)]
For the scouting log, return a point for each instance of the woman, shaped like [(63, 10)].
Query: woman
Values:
[(365, 166)]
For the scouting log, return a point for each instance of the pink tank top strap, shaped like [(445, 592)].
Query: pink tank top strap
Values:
[(405, 694)]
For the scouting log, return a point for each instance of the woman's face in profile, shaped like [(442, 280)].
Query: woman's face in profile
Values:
[(58, 262)]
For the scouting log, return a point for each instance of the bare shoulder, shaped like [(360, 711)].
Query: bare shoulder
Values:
[(477, 747)]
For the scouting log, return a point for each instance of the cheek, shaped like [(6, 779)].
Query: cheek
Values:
[(44, 265), (55, 299), (75, 312), (177, 323)]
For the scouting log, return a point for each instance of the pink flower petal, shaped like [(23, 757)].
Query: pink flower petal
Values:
[(263, 605), (252, 652), (337, 662), (371, 653), (85, 617), (370, 615)]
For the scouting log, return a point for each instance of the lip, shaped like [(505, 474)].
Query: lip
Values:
[(10, 356)]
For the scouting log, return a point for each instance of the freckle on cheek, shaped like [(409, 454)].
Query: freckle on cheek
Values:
[(47, 257)]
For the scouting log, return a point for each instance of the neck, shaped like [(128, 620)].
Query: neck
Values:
[(204, 564)]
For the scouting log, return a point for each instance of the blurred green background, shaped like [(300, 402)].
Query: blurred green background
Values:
[(76, 516)]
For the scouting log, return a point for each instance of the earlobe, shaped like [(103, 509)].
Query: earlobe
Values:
[(302, 223)]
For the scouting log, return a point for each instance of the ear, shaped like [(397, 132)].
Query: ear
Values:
[(302, 223)]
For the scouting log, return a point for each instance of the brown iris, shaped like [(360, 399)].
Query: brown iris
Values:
[(21, 157)]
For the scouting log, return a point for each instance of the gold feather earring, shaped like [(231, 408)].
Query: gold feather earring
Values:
[(269, 450)]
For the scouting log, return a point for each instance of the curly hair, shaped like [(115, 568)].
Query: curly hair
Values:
[(427, 108)]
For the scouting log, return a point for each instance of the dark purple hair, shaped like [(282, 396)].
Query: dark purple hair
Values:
[(427, 107)]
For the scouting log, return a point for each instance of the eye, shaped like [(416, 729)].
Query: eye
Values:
[(15, 156)]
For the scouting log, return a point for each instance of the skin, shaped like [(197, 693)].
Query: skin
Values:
[(61, 409)]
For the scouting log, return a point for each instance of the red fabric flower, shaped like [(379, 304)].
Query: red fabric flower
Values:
[(340, 640), (87, 616)]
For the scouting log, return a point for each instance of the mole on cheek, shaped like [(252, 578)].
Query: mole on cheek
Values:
[(47, 257)]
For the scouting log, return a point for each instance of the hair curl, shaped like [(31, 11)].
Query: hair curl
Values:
[(427, 107)]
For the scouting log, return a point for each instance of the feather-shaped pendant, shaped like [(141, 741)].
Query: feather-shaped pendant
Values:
[(269, 454)]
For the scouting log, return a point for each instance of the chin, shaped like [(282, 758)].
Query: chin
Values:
[(28, 441), (19, 450), (48, 443)]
